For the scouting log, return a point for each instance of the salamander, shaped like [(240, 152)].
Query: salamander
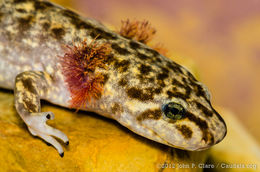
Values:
[(51, 53)]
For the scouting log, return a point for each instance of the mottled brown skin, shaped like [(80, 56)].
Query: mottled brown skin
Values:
[(138, 80)]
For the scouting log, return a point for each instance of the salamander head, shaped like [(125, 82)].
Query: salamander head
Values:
[(189, 125), (168, 105)]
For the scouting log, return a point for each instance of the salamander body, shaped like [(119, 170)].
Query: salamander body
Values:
[(134, 84)]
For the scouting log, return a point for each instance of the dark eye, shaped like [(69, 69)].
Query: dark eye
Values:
[(173, 111)]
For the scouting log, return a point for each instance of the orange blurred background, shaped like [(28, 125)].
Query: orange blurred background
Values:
[(221, 37)]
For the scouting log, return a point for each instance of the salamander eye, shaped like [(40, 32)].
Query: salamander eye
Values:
[(173, 111)]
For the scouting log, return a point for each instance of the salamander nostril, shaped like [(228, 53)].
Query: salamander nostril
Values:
[(48, 116)]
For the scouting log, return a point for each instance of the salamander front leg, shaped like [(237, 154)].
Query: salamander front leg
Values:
[(29, 89)]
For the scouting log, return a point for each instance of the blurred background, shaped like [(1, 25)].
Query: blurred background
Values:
[(222, 39)]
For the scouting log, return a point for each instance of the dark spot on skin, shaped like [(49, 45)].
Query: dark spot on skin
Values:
[(212, 140), (25, 23), (206, 135), (144, 69), (111, 58), (70, 14), (57, 33), (152, 51), (188, 91), (138, 94), (142, 56), (20, 1), (106, 77), (200, 91), (191, 77), (176, 83), (208, 138), (174, 67), (161, 83), (116, 108), (205, 110), (28, 85), (144, 79), (150, 114), (199, 122), (122, 82), (76, 21), (157, 90), (46, 26), (153, 91), (134, 45), (42, 5), (162, 76), (99, 33), (170, 94), (185, 131), (165, 70), (151, 80), (93, 34), (170, 65), (82, 25), (174, 89), (122, 66), (184, 80), (122, 51), (158, 59), (144, 76), (30, 106), (20, 10)]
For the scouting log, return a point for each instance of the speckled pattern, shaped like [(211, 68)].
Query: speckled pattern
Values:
[(139, 80)]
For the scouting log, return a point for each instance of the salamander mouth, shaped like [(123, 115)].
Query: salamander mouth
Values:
[(198, 147), (183, 148), (179, 147), (165, 142)]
